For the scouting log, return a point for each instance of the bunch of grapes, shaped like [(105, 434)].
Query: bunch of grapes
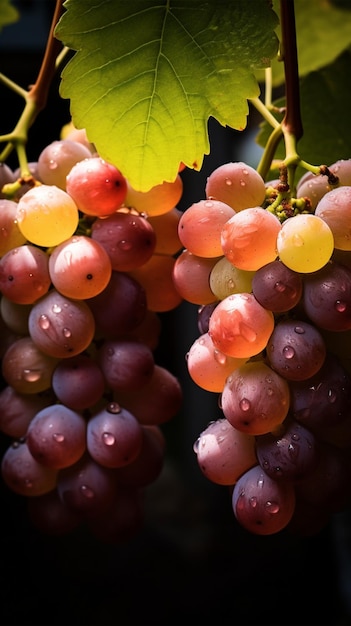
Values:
[(270, 272), (86, 269)]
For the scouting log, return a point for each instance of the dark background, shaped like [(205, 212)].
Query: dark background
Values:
[(191, 563)]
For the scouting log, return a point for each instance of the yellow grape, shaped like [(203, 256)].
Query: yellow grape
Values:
[(47, 215), (305, 243), (157, 200), (226, 279)]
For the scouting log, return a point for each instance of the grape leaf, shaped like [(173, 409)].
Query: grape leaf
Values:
[(323, 32), (8, 13), (325, 97), (146, 77)]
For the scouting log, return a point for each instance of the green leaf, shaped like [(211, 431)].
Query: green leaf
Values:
[(323, 32), (8, 13), (147, 76), (325, 109)]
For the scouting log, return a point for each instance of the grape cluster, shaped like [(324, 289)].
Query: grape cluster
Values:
[(86, 269), (270, 272)]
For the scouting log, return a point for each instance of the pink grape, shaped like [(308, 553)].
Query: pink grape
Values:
[(126, 365), (18, 409), (97, 187), (23, 474), (78, 382), (239, 326), (200, 227), (80, 267), (236, 184), (27, 368), (57, 159), (24, 274)]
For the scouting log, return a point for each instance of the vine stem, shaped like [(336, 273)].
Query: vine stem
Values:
[(35, 98)]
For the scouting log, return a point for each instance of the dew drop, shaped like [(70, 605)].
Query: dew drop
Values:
[(114, 408), (279, 286), (332, 396), (253, 502), (67, 333), (299, 330), (59, 437), (228, 182), (245, 404), (44, 322), (87, 492), (31, 376), (196, 445), (272, 507), (28, 483), (340, 306), (56, 308), (220, 357), (108, 438), (288, 352), (125, 245)]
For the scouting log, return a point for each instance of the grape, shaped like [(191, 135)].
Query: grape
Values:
[(324, 399), (335, 210), (23, 474), (156, 402), (79, 135), (26, 368), (342, 169), (327, 297), (296, 349), (224, 453), (165, 227), (207, 366), (128, 239), (204, 313), (126, 365), (78, 382), (255, 399), (148, 464), (157, 200), (57, 159), (15, 315), (191, 275), (277, 287), (18, 409), (10, 235), (156, 277), (79, 267), (87, 487), (51, 516), (120, 307), (59, 326), (313, 187), (262, 505), (239, 326), (114, 436), (226, 279), (56, 436), (24, 274), (249, 238), (47, 215), (98, 188), (147, 332), (290, 454), (305, 243), (200, 227), (236, 184)]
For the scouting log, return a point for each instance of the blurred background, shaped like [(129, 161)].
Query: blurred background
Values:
[(191, 563)]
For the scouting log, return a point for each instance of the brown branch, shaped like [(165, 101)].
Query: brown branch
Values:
[(40, 90), (292, 122)]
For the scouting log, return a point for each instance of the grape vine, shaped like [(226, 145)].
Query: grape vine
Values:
[(94, 249)]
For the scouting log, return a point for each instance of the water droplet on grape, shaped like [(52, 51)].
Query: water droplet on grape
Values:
[(67, 332), (31, 376), (196, 445), (279, 286), (87, 492), (340, 306), (272, 507), (228, 182), (59, 437), (297, 241), (288, 352), (332, 396), (44, 322), (253, 502), (220, 357), (125, 245), (108, 438), (248, 333), (56, 308), (28, 483), (299, 330), (114, 408), (245, 404), (52, 164)]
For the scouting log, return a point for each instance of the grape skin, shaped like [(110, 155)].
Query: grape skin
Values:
[(236, 184), (10, 235), (57, 159), (305, 243), (24, 274), (23, 474)]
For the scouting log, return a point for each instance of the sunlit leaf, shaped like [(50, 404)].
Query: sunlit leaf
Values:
[(147, 76)]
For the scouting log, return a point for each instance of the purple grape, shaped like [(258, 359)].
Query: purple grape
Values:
[(78, 382), (288, 455), (277, 287), (296, 349), (327, 297), (126, 365)]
